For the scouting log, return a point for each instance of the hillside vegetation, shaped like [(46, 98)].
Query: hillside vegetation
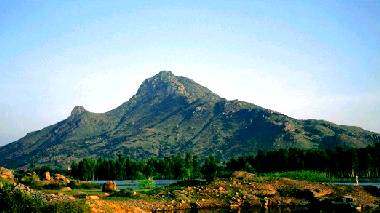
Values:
[(169, 115)]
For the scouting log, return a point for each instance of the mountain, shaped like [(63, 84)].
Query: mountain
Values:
[(171, 115)]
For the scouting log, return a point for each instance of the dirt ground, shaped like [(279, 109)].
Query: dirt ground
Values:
[(241, 190)]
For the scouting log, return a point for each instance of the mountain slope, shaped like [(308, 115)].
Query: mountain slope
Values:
[(171, 115)]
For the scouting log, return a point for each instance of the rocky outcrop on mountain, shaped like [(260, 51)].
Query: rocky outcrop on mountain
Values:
[(170, 115)]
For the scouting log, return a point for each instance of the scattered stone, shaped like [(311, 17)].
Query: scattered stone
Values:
[(109, 186), (242, 175), (61, 178), (92, 197), (65, 189)]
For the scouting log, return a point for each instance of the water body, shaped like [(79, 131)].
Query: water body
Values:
[(377, 184), (134, 184)]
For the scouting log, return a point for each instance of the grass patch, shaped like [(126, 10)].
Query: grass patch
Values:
[(123, 193), (147, 184), (306, 175), (75, 192), (83, 185)]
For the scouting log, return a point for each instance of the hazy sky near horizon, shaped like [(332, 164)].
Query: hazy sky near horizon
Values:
[(306, 59)]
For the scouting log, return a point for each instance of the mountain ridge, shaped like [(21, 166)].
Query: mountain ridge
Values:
[(172, 114)]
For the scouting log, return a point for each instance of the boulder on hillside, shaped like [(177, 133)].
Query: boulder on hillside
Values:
[(243, 175), (61, 178), (6, 174), (46, 176), (65, 189), (109, 186)]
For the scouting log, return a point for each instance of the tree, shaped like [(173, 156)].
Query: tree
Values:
[(209, 168)]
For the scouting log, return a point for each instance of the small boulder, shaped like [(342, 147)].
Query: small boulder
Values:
[(46, 176), (66, 189), (109, 186), (243, 175), (92, 197), (6, 174), (61, 178)]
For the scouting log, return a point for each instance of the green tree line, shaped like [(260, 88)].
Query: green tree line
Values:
[(122, 167), (338, 162)]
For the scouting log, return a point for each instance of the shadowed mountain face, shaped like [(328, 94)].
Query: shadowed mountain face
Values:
[(172, 115)]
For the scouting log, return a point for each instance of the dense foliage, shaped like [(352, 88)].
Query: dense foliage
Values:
[(339, 162), (120, 168), (13, 199)]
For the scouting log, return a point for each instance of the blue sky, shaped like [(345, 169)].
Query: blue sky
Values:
[(306, 59)]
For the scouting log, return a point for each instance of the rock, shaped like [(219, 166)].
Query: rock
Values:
[(46, 176), (92, 197), (66, 189), (242, 175), (78, 110), (109, 186), (61, 178), (6, 174)]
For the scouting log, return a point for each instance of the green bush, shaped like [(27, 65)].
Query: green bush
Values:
[(147, 183), (53, 185), (123, 193), (12, 200), (29, 178), (15, 200), (306, 175)]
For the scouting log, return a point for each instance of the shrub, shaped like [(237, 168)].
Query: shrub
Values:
[(123, 193), (306, 175), (13, 200), (83, 185), (147, 183), (16, 200)]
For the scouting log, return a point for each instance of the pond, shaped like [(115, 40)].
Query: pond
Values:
[(134, 184), (377, 184)]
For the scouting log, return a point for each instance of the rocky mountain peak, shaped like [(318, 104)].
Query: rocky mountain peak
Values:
[(164, 75), (78, 110), (173, 114), (165, 83)]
